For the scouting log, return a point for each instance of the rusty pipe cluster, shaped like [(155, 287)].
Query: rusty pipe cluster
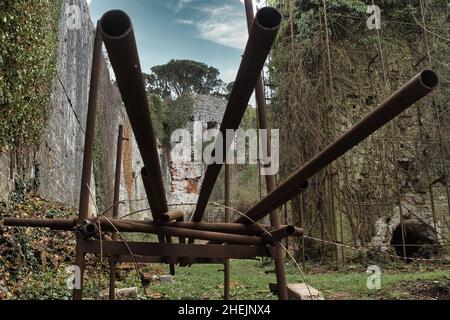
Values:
[(219, 232)]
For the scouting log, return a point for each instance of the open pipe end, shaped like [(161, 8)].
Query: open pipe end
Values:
[(429, 79), (165, 218), (304, 186), (290, 231), (269, 18), (115, 24)]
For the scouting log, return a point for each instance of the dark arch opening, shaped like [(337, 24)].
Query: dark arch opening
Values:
[(417, 242)]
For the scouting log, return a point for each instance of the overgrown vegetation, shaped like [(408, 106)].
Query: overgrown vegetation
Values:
[(327, 71), (27, 252), (28, 51)]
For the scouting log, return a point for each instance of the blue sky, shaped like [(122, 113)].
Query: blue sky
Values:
[(209, 31)]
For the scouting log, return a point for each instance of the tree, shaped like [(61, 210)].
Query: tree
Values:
[(183, 76)]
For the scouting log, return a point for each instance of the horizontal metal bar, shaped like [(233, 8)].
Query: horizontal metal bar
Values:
[(174, 250), (113, 225), (283, 232), (53, 224), (140, 259), (172, 216)]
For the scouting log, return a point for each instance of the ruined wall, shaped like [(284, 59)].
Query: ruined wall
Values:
[(184, 179), (55, 165)]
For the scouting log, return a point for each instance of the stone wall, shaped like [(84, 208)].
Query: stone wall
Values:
[(56, 164), (184, 178)]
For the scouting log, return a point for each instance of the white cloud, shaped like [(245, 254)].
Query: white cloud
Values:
[(229, 75), (187, 22), (177, 5), (224, 25)]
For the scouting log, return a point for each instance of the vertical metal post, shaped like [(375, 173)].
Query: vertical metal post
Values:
[(88, 157), (435, 225), (112, 263), (227, 220), (270, 179), (302, 225)]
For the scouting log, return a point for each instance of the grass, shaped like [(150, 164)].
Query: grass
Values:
[(249, 281)]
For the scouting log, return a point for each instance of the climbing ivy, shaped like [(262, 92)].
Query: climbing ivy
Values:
[(28, 51)]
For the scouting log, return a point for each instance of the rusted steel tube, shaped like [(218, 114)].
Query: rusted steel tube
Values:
[(124, 226), (283, 232), (69, 224), (417, 88), (118, 173), (115, 214), (270, 179), (261, 39), (226, 265), (53, 224), (118, 36), (132, 227), (172, 216), (86, 175), (221, 227)]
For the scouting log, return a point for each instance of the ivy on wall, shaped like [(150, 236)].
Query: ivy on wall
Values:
[(28, 53)]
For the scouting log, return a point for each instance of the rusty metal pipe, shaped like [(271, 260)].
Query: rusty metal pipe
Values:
[(132, 227), (52, 224), (69, 224), (283, 232), (235, 228), (124, 226), (262, 37), (118, 173), (172, 216), (115, 214), (226, 265), (270, 179), (118, 36), (417, 88), (86, 176)]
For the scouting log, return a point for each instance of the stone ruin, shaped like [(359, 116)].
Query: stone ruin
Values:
[(420, 231), (184, 179)]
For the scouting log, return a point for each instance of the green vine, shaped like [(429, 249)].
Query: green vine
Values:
[(28, 53)]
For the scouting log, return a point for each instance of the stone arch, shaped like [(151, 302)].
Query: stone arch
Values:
[(422, 239)]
